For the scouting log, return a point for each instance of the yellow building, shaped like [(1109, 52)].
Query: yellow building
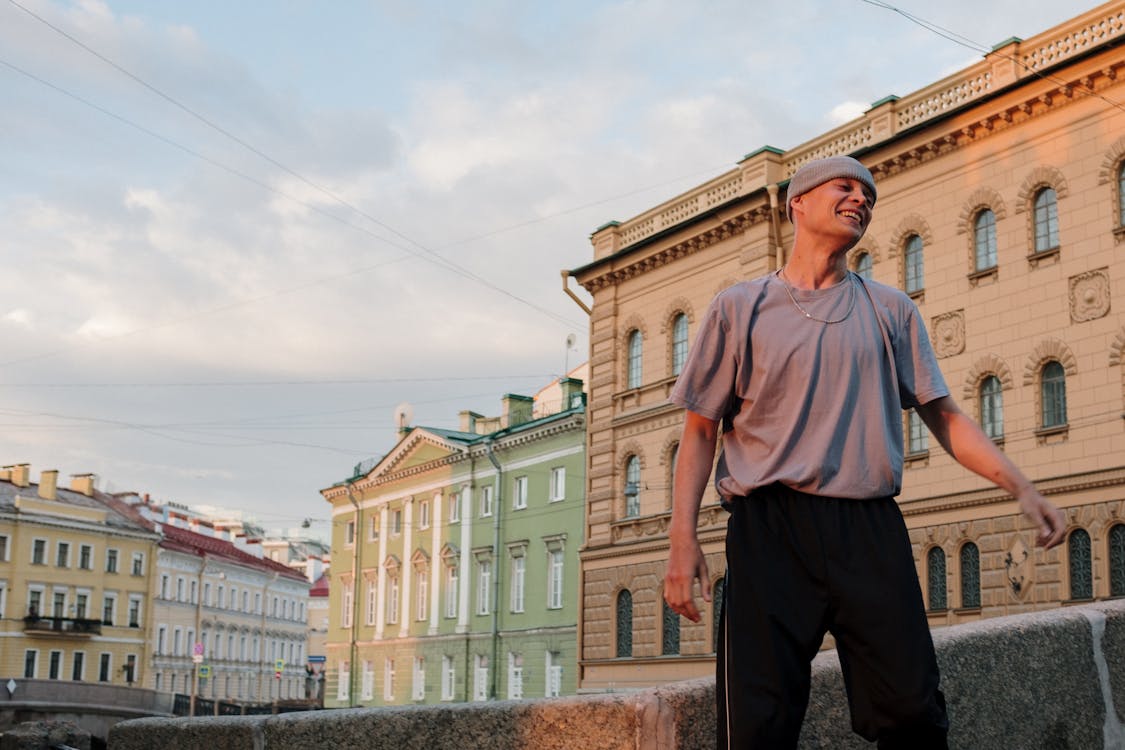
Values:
[(74, 582), (1002, 213)]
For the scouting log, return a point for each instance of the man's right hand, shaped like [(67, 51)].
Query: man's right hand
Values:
[(686, 564)]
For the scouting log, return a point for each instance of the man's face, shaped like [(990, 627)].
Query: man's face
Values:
[(840, 207)]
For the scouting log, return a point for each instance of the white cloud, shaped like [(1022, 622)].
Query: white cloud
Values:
[(846, 112)]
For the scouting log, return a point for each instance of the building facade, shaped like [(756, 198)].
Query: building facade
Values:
[(74, 582), (1002, 213), (455, 561)]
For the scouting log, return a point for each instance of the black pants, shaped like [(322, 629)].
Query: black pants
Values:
[(799, 566)]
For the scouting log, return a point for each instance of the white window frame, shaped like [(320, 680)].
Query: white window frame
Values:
[(486, 501), (480, 677), (452, 588), (388, 680), (558, 484), (372, 601), (455, 501), (448, 677), (138, 564), (422, 593), (554, 673), (367, 681), (518, 578), (35, 545), (110, 599), (347, 605), (112, 560), (418, 683), (343, 680), (87, 551), (484, 586), (515, 676), (519, 493), (62, 553), (423, 514), (5, 548), (349, 533), (392, 599), (556, 578), (373, 528), (396, 522)]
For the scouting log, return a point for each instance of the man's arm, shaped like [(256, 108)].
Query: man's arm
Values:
[(970, 447), (694, 459)]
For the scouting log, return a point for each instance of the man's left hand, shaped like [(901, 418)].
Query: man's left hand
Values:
[(1049, 520)]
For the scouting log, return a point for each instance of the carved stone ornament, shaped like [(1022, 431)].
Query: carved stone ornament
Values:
[(1018, 569), (949, 333), (1089, 295)]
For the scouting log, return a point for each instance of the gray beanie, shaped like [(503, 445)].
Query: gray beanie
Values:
[(821, 171)]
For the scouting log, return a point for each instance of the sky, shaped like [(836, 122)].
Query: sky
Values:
[(235, 236)]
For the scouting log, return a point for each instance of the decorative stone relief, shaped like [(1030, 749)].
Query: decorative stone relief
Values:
[(1089, 295), (949, 333), (1018, 569)]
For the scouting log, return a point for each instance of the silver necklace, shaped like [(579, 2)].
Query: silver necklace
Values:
[(851, 305)]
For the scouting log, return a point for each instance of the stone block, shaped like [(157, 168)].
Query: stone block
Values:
[(41, 735)]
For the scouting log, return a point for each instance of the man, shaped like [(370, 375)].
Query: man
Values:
[(806, 371)]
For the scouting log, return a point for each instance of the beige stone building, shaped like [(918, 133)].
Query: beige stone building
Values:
[(1002, 213)]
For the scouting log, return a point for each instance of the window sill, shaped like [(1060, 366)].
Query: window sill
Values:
[(1119, 233), (916, 460), (967, 611), (1051, 254), (984, 276), (1051, 435), (918, 295)]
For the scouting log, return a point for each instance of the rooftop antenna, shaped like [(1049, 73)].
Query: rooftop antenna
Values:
[(570, 340)]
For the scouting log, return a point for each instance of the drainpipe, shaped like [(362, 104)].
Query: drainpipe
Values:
[(352, 648), (775, 223), (498, 484), (262, 640), (572, 295), (198, 633)]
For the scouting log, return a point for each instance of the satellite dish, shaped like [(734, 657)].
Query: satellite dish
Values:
[(404, 412)]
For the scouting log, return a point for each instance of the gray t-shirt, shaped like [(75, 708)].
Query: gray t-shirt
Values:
[(816, 406)]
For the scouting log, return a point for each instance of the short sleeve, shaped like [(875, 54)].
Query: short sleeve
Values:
[(706, 383), (919, 377)]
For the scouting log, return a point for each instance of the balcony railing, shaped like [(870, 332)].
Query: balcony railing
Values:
[(62, 625)]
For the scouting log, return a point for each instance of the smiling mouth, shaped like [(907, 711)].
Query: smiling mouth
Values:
[(853, 215)]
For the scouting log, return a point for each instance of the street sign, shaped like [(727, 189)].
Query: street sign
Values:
[(204, 671), (197, 659), (317, 659), (197, 649), (279, 665)]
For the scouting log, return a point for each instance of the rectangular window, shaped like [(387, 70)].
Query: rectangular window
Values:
[(373, 529), (86, 557), (452, 593), (135, 602), (194, 598), (349, 533), (519, 566), (558, 484), (346, 605), (480, 677), (372, 601), (486, 500), (111, 561), (34, 602), (78, 666), (422, 587), (4, 548), (162, 639), (455, 507), (104, 667), (39, 552), (418, 684), (918, 440), (448, 678), (54, 665), (343, 681), (177, 641), (554, 675), (164, 579), (30, 664), (81, 604), (59, 608), (367, 682), (515, 676), (206, 593), (388, 680), (555, 570), (424, 514), (138, 563), (484, 587), (109, 609), (519, 495), (3, 597), (392, 601), (62, 555), (396, 521), (179, 589)]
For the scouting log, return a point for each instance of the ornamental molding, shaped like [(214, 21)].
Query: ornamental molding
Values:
[(1050, 349), (982, 198), (1040, 177), (949, 333), (1111, 163), (867, 245), (910, 225), (1117, 349), (675, 307), (989, 364), (1089, 295)]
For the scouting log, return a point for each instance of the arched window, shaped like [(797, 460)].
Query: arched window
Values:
[(864, 266), (679, 343), (935, 578), (632, 487), (1081, 570), (915, 268), (633, 378), (718, 590), (1052, 385), (984, 240), (1117, 560), (970, 576), (670, 635), (1046, 220), (624, 623), (992, 407)]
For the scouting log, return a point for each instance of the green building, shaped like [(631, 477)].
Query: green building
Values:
[(455, 560)]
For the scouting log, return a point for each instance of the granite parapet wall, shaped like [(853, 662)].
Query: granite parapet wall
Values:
[(1045, 680)]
